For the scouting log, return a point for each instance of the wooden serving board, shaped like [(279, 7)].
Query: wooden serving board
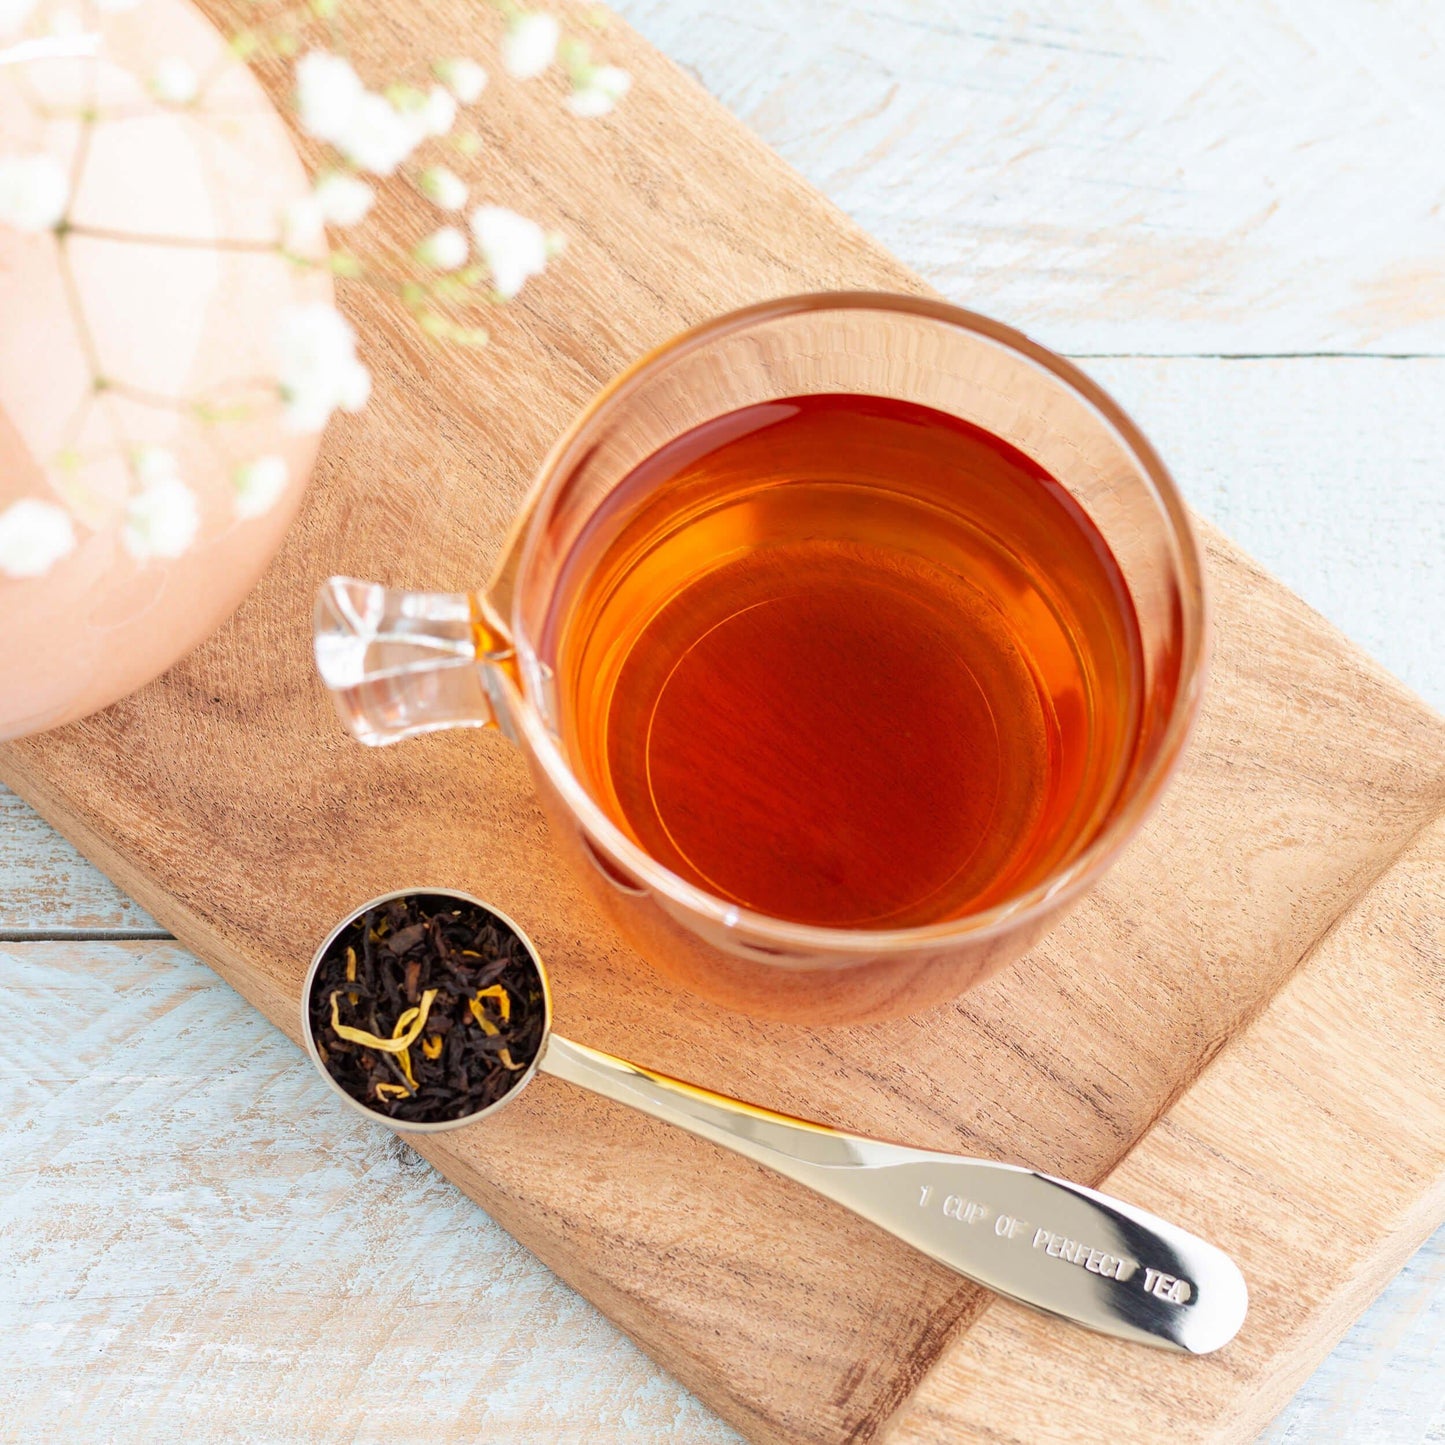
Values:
[(1243, 1029)]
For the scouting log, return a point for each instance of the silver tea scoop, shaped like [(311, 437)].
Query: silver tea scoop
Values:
[(1059, 1247)]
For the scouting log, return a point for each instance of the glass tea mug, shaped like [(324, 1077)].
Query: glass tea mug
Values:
[(404, 663)]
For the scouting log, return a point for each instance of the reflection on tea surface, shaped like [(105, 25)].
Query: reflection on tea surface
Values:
[(848, 661)]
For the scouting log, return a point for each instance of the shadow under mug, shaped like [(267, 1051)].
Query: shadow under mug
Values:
[(404, 663)]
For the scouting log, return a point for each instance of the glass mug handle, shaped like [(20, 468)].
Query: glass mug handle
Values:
[(399, 664)]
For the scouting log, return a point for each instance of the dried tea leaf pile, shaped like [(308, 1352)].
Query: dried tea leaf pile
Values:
[(427, 1008)]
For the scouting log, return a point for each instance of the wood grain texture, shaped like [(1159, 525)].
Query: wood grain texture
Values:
[(1188, 176), (359, 1257), (1385, 1380), (1298, 434), (1328, 472), (1326, 469), (1274, 831), (1158, 178), (46, 887), (1321, 1123)]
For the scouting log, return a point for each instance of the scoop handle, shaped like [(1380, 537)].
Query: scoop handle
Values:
[(1057, 1246)]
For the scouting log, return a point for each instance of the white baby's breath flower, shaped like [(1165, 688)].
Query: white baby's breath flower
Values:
[(443, 187), (34, 191), (318, 370), (464, 78), (258, 485), (599, 91), (445, 249), (303, 225), (514, 248), (438, 112), (328, 91), (174, 81), (162, 519), (14, 14), (155, 464), (378, 137), (343, 200), (530, 44), (365, 127), (34, 536), (337, 200)]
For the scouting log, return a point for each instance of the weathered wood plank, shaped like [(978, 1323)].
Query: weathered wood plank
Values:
[(1181, 177), (199, 1246), (47, 887), (1385, 1381), (1329, 471)]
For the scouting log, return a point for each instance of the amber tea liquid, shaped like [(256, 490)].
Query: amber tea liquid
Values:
[(847, 661)]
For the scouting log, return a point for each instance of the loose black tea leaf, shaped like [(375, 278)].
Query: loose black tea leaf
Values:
[(427, 1008)]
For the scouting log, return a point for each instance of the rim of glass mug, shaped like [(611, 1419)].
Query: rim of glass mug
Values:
[(1067, 881)]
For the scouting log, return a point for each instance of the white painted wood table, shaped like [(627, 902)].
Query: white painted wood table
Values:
[(1235, 214)]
